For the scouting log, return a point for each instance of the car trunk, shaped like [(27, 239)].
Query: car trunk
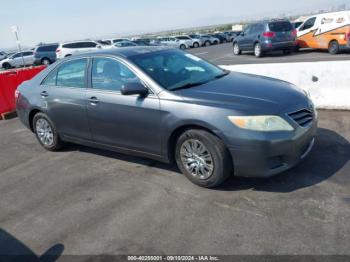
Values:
[(283, 31)]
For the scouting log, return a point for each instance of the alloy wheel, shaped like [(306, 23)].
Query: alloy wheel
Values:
[(197, 159), (44, 132)]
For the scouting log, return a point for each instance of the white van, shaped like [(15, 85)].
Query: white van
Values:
[(326, 31)]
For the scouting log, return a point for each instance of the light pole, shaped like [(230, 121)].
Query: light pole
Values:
[(15, 31)]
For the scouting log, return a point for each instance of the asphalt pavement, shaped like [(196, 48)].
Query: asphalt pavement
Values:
[(84, 201), (223, 55)]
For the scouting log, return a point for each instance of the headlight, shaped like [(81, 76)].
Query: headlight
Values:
[(261, 123)]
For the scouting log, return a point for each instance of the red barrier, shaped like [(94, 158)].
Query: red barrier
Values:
[(9, 81)]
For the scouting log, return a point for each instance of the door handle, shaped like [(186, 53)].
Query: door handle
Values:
[(93, 100), (44, 94)]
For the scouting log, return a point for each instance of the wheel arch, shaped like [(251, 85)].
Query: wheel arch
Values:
[(31, 115), (178, 131)]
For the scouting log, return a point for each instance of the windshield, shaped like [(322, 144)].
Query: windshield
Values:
[(174, 69)]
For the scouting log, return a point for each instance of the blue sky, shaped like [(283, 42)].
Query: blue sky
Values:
[(61, 20)]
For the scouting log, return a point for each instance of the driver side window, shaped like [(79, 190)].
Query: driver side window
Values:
[(109, 74), (308, 24)]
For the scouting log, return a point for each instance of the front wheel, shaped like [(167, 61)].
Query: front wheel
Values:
[(333, 47), (203, 158), (182, 47), (207, 43), (258, 50), (46, 132), (196, 45)]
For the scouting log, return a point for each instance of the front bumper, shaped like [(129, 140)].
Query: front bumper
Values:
[(272, 153)]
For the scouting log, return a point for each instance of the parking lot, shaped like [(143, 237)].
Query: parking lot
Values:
[(89, 201), (223, 55)]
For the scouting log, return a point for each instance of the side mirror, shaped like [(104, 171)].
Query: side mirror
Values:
[(134, 88), (99, 46)]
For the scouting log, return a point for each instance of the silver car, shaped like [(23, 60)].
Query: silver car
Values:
[(24, 58)]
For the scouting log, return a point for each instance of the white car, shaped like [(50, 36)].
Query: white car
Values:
[(191, 42), (17, 60), (174, 42), (71, 48), (112, 41)]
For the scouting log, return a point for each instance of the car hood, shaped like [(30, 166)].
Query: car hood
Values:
[(246, 93)]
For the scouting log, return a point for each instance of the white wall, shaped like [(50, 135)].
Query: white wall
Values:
[(330, 91)]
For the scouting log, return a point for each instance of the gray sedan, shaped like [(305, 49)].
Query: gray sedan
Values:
[(169, 105)]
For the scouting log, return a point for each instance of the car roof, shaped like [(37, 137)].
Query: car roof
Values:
[(127, 51)]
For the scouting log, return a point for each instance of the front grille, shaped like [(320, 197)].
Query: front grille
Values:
[(303, 117)]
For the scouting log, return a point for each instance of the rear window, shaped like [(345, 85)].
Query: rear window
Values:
[(48, 48), (280, 26)]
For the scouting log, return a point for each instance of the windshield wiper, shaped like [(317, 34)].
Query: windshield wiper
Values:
[(188, 85)]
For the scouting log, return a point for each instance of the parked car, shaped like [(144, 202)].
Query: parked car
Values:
[(3, 55), (208, 40), (174, 42), (124, 44), (112, 41), (71, 48), (45, 54), (169, 105), (19, 59), (197, 40), (102, 42), (189, 41), (222, 38), (329, 31), (266, 36)]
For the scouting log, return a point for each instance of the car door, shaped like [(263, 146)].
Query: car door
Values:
[(306, 33), (28, 57), (127, 122), (246, 39), (63, 92), (17, 60)]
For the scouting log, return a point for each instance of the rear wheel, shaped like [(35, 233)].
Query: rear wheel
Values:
[(46, 132), (45, 61), (333, 47), (203, 158), (236, 49), (6, 66), (207, 43), (257, 50), (195, 45)]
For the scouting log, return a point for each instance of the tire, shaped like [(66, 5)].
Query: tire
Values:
[(6, 66), (195, 45), (182, 47), (257, 50), (236, 49), (46, 132), (207, 43), (45, 61), (217, 155), (333, 47), (287, 52)]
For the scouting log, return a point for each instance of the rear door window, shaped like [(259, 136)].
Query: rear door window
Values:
[(281, 26), (72, 73)]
